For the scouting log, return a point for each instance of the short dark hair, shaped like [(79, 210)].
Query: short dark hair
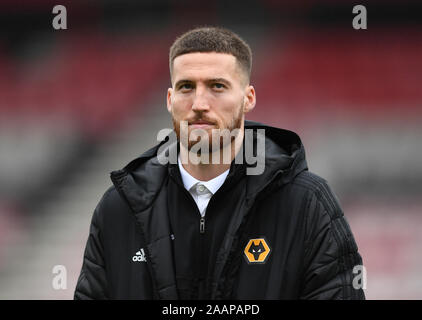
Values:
[(213, 39)]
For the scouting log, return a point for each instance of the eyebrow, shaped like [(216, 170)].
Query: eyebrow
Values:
[(183, 81)]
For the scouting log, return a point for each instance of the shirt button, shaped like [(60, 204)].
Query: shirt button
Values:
[(201, 188)]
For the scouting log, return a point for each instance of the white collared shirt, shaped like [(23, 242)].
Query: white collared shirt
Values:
[(201, 191)]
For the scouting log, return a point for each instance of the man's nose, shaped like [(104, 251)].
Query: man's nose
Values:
[(200, 102)]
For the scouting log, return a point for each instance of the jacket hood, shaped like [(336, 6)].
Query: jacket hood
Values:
[(140, 181), (284, 157)]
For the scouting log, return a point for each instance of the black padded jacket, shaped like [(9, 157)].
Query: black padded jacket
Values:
[(287, 237)]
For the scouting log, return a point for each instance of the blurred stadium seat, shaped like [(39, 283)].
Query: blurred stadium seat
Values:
[(308, 76), (91, 81)]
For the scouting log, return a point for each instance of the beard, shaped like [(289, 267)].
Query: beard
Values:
[(222, 131)]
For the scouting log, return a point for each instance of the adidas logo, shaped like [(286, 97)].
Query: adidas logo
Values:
[(139, 256)]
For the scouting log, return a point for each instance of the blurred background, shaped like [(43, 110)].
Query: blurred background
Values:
[(76, 104)]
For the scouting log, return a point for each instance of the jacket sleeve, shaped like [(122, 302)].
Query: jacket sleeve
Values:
[(331, 252), (92, 283)]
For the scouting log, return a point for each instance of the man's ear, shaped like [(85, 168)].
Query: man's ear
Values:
[(169, 103), (249, 99)]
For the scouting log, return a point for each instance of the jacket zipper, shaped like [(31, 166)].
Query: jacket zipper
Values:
[(203, 260), (202, 225), (202, 246)]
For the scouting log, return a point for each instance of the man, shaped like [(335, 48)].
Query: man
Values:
[(210, 227)]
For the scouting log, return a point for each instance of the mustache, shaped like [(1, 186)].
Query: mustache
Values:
[(201, 118)]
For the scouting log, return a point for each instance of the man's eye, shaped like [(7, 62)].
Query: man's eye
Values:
[(219, 85), (186, 86)]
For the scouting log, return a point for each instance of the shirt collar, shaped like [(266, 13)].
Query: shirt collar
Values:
[(212, 185)]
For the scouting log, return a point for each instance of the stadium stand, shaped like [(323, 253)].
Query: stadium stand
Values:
[(325, 74)]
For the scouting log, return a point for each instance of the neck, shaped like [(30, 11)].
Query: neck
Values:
[(207, 171)]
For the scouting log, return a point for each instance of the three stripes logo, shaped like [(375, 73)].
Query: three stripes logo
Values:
[(257, 251), (139, 256)]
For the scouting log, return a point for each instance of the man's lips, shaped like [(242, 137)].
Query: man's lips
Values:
[(201, 124)]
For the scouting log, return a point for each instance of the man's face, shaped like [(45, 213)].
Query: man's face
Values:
[(210, 91)]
